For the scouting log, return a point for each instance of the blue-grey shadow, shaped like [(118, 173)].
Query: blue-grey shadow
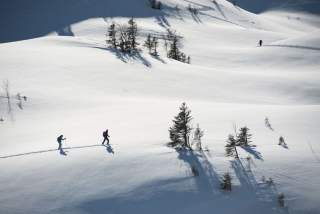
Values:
[(62, 152), (126, 57), (261, 194), (66, 31), (48, 150), (295, 46), (21, 20), (109, 148), (251, 150), (208, 180)]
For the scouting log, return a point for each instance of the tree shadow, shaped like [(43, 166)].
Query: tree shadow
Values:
[(261, 194), (157, 57), (163, 21), (173, 195), (251, 150), (127, 57), (219, 9), (196, 17), (202, 7), (220, 19), (208, 180), (164, 193)]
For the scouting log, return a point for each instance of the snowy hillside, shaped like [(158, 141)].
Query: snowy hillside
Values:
[(55, 54)]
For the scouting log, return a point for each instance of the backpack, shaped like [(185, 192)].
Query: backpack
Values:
[(59, 139)]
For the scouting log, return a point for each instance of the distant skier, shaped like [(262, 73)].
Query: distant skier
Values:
[(60, 139), (106, 136), (260, 42)]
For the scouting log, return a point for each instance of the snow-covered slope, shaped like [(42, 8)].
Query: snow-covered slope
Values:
[(78, 87), (258, 6)]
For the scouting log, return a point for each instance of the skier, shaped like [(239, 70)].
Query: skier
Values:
[(260, 42), (60, 139), (106, 136)]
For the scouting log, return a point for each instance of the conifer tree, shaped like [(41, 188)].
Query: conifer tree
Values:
[(124, 39), (112, 40), (174, 52), (181, 128), (174, 47), (244, 137), (231, 147), (132, 35), (198, 134), (148, 43), (189, 60), (154, 46)]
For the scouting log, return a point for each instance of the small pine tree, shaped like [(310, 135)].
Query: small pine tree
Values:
[(244, 137), (174, 52), (154, 46), (124, 44), (231, 147), (112, 40), (148, 43), (268, 124), (281, 141), (226, 183), (132, 35), (198, 134), (181, 128), (174, 47), (189, 60)]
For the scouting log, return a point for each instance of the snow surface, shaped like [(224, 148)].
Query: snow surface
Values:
[(78, 87)]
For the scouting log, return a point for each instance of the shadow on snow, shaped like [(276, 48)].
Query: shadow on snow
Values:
[(127, 57), (189, 194), (20, 20), (251, 150), (62, 151), (261, 196)]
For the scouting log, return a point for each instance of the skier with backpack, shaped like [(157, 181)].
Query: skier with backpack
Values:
[(106, 136), (60, 139)]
